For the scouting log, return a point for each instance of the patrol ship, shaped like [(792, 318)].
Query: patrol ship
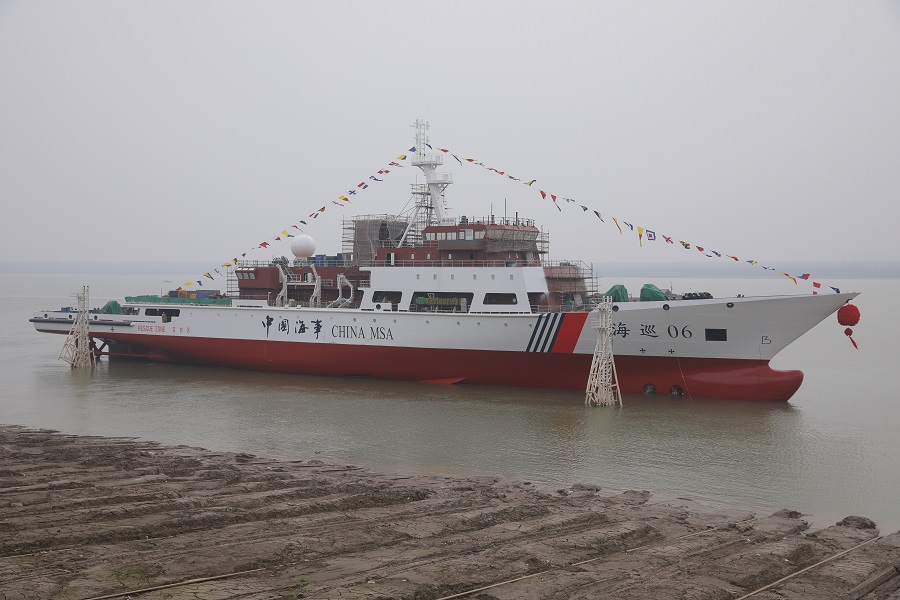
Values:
[(433, 298)]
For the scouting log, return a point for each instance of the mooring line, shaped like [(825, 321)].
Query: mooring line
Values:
[(795, 573), (180, 583)]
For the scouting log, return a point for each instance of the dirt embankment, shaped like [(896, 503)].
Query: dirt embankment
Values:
[(88, 517)]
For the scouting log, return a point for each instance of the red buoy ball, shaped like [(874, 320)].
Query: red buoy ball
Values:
[(848, 315)]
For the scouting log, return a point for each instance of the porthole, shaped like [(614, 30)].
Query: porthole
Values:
[(649, 390), (730, 305), (377, 307), (676, 392), (665, 307), (615, 308)]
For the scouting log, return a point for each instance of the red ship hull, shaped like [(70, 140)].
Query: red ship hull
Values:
[(735, 379)]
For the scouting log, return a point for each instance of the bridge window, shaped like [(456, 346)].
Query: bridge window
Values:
[(441, 301), (496, 298)]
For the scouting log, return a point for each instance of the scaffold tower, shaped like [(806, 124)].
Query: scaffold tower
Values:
[(77, 350), (603, 384)]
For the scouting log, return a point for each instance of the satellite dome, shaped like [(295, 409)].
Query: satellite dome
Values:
[(303, 246)]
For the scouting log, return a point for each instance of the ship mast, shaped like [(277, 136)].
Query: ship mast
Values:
[(429, 195)]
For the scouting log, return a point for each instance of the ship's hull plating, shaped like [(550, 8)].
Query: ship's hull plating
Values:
[(704, 348)]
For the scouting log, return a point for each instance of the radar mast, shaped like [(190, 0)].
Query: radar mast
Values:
[(430, 194)]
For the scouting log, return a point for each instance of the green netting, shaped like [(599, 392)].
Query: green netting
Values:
[(618, 293), (650, 293), (111, 308)]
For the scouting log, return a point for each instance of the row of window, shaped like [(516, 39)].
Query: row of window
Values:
[(462, 234), (445, 298)]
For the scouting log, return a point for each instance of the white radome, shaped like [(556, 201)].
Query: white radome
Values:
[(303, 246)]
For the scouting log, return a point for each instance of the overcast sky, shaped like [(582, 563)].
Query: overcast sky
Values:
[(192, 131)]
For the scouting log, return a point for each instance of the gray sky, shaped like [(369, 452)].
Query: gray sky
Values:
[(192, 131)]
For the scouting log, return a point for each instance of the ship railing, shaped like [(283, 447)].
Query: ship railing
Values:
[(566, 307), (495, 220), (450, 263)]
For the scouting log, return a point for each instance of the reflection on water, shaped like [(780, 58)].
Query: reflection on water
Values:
[(824, 453)]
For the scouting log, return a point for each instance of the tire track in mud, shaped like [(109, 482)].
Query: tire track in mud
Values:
[(86, 517)]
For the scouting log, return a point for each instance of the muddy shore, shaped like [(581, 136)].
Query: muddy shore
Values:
[(86, 517)]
